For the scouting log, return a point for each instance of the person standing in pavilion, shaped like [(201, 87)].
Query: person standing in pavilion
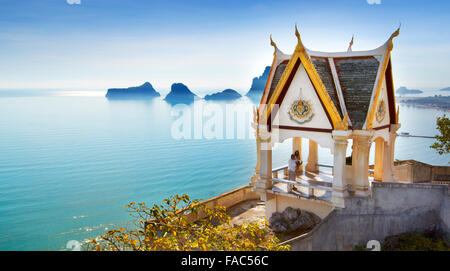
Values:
[(298, 163), (292, 166)]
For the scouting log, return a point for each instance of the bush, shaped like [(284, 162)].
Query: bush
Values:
[(170, 226), (431, 240)]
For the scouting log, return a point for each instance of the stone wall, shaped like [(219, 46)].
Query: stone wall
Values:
[(441, 174), (228, 199), (279, 203), (233, 197), (411, 171), (392, 209), (445, 213)]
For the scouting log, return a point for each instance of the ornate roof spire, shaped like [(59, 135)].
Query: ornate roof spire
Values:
[(299, 40), (350, 44), (273, 44)]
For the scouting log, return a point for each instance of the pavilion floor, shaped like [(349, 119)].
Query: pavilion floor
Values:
[(321, 178)]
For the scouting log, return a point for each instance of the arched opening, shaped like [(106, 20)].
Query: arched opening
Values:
[(311, 172)]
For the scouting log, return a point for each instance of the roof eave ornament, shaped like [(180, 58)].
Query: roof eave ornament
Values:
[(300, 45), (395, 34), (350, 44)]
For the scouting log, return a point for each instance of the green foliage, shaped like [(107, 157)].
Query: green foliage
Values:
[(414, 242), (175, 225), (442, 144), (432, 239)]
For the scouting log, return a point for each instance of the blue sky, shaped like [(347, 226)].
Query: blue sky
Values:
[(208, 45)]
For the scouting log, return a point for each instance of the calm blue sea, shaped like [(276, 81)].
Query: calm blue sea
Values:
[(70, 162)]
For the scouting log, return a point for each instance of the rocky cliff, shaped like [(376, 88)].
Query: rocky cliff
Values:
[(226, 95), (258, 85), (179, 93)]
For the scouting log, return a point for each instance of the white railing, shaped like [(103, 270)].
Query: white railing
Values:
[(322, 165), (276, 170), (371, 171), (307, 185), (311, 188)]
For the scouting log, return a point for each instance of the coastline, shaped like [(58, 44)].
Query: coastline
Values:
[(432, 102)]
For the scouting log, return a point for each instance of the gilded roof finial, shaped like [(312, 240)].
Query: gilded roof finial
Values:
[(350, 44), (299, 40), (395, 34), (273, 44)]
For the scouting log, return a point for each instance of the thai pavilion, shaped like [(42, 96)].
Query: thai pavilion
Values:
[(330, 99)]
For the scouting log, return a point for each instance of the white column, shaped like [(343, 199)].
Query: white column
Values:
[(339, 179), (265, 180), (313, 157), (388, 155), (378, 165), (360, 162)]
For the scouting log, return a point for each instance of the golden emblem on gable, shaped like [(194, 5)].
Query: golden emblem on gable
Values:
[(381, 111), (301, 111)]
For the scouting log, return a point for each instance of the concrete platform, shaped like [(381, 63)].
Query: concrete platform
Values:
[(247, 211)]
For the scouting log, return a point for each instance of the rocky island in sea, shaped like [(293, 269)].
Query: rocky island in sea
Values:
[(145, 91), (445, 89), (179, 93), (226, 95), (258, 85), (404, 90)]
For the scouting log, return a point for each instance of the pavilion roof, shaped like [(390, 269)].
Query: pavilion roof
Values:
[(348, 83)]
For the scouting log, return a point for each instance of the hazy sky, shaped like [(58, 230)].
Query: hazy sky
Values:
[(208, 45)]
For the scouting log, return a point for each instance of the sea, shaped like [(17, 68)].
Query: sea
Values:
[(71, 160)]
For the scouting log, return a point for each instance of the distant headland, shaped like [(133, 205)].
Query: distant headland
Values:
[(437, 102), (180, 93), (445, 89)]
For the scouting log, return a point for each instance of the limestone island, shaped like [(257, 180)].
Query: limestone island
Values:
[(179, 93), (404, 90), (145, 91), (445, 89), (226, 95), (258, 85)]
